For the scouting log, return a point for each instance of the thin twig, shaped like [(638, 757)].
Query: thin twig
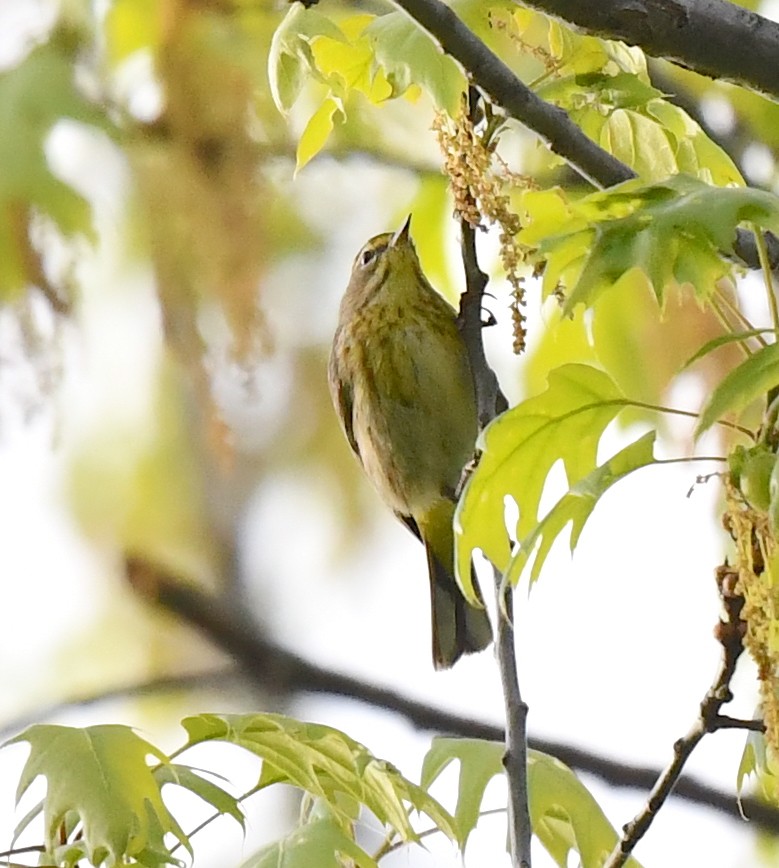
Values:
[(490, 402), (730, 633)]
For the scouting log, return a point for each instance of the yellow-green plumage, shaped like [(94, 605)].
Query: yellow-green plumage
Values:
[(402, 386)]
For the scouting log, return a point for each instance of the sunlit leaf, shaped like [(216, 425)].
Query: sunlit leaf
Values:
[(316, 133), (480, 761), (564, 815), (409, 56), (519, 449), (290, 60), (319, 844), (677, 231), (100, 775), (326, 763), (208, 791)]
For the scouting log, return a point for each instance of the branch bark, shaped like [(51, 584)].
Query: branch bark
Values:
[(488, 72), (491, 401), (713, 37)]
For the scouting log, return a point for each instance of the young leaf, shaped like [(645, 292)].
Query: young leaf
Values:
[(317, 132), (290, 59), (319, 844), (519, 449), (218, 798), (677, 232), (100, 775), (751, 380), (409, 56), (564, 815), (326, 763), (577, 505), (480, 761)]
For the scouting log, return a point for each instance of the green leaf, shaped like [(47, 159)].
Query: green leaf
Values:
[(100, 775), (751, 380), (577, 505), (677, 232), (34, 95), (564, 815), (327, 764), (319, 844), (409, 56), (290, 60), (189, 779), (519, 449), (317, 132), (721, 341), (480, 761)]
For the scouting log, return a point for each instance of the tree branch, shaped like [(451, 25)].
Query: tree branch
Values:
[(713, 37), (215, 619), (491, 401), (488, 72), (731, 636)]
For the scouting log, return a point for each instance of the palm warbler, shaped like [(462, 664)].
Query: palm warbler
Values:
[(402, 387)]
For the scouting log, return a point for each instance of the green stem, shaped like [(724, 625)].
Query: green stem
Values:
[(688, 414), (762, 253)]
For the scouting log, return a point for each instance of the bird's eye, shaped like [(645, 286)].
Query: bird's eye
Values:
[(368, 255)]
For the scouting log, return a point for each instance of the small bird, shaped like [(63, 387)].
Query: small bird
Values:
[(402, 386)]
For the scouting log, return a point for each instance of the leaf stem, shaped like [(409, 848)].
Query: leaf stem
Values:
[(738, 314), (765, 265)]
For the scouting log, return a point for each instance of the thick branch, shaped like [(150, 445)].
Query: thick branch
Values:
[(488, 72), (714, 37)]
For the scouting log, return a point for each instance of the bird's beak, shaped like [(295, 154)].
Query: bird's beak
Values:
[(401, 237)]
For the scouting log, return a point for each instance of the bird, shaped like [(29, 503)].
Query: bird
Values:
[(403, 390)]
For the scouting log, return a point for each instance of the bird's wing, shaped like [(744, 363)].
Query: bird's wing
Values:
[(410, 524), (343, 398)]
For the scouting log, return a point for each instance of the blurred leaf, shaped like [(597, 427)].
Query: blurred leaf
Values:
[(132, 25), (100, 775), (325, 763), (519, 449), (751, 380), (319, 844), (34, 95)]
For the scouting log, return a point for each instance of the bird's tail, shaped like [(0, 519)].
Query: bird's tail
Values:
[(458, 627)]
